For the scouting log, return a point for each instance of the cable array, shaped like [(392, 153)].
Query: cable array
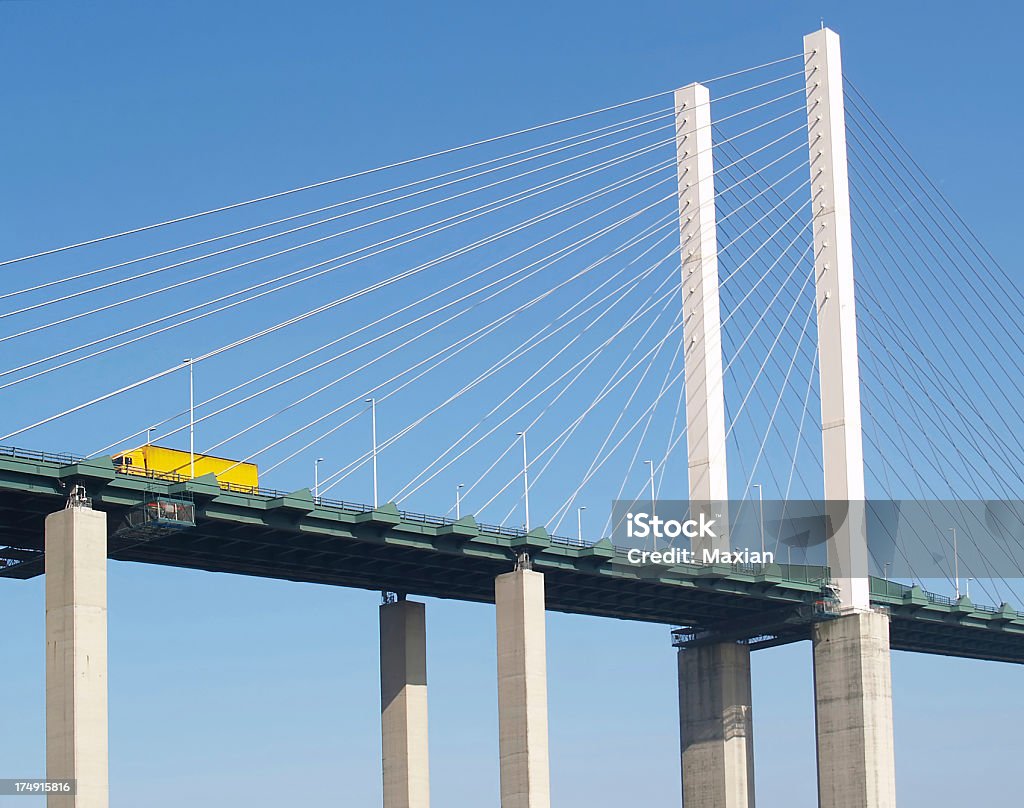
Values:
[(527, 287), (528, 282)]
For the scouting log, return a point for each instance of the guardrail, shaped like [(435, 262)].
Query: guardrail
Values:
[(64, 458), (796, 574), (882, 587)]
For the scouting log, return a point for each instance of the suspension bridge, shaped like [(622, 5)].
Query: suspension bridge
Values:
[(489, 344)]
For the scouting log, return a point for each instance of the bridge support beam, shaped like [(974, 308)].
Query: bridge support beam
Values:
[(715, 726), (853, 712), (403, 704), (522, 690), (76, 656)]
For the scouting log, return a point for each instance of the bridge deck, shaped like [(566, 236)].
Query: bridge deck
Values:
[(288, 536)]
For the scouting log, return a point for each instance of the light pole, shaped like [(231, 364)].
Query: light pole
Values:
[(956, 565), (373, 437), (579, 522), (316, 479), (969, 588), (458, 500), (650, 463), (760, 500), (526, 480), (191, 421)]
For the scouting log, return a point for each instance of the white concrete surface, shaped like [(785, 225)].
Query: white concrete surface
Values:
[(403, 697), (522, 690), (853, 712), (716, 726), (76, 656), (839, 371), (705, 397)]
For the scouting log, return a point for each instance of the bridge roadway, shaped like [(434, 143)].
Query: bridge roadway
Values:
[(281, 535)]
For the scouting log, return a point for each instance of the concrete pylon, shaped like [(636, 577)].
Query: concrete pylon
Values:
[(76, 656), (715, 726), (853, 712), (702, 317), (838, 364), (715, 715), (522, 690), (403, 705)]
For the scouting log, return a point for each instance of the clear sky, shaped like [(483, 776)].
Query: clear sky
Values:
[(229, 690)]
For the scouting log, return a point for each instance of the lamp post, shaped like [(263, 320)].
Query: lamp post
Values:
[(760, 500), (956, 565), (650, 463), (373, 437), (316, 479), (526, 480), (458, 500), (579, 522), (191, 421)]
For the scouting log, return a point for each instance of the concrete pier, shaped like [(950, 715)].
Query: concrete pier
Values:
[(403, 704), (522, 690), (716, 727), (76, 656), (853, 712)]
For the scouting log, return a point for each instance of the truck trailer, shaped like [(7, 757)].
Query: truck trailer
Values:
[(166, 463)]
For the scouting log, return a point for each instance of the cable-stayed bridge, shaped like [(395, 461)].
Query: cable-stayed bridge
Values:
[(487, 344)]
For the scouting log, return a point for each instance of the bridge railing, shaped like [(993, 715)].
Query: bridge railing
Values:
[(800, 573), (64, 458)]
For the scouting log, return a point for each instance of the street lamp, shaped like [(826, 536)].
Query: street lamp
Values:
[(650, 463), (579, 522), (373, 437), (760, 499), (526, 480), (316, 479), (458, 500), (956, 565), (191, 421)]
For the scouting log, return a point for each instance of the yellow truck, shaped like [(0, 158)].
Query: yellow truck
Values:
[(161, 461)]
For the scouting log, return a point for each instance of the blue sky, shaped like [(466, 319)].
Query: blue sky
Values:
[(231, 689)]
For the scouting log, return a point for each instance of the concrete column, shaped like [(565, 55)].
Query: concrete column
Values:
[(522, 690), (76, 656), (838, 365), (715, 726), (403, 704), (714, 681), (853, 712), (702, 320)]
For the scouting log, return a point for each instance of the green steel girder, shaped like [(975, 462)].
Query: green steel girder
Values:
[(291, 537)]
